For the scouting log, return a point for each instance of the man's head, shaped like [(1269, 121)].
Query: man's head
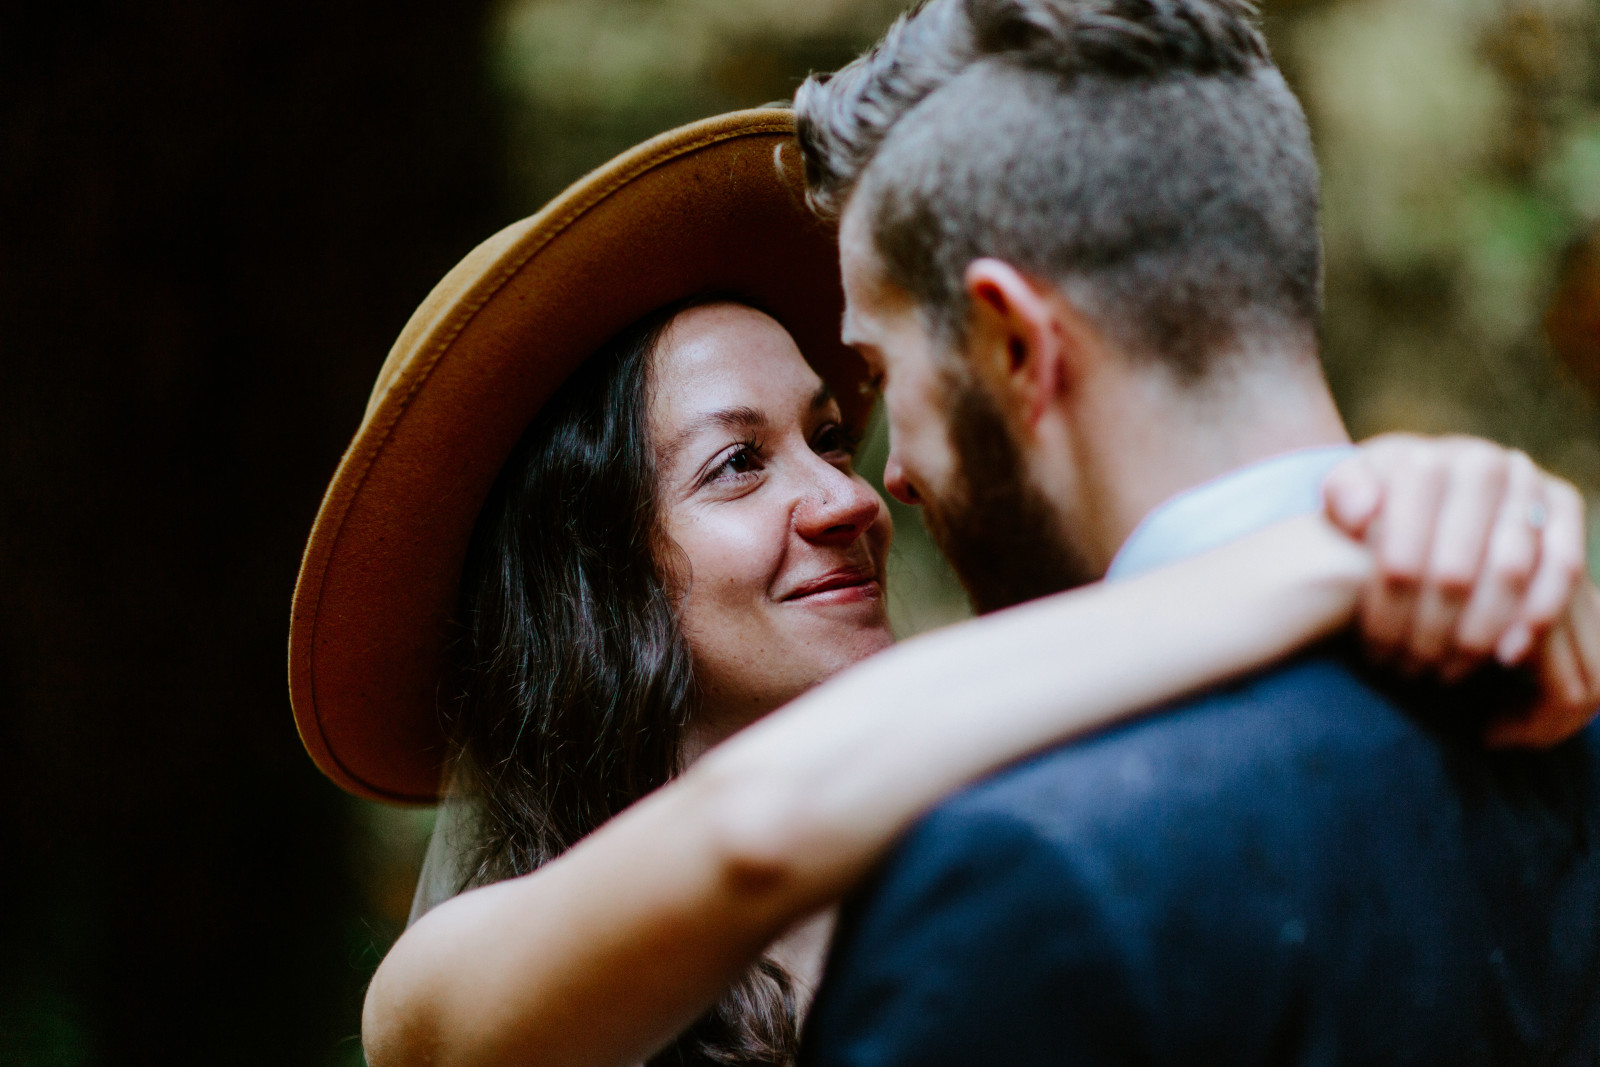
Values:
[(1048, 205)]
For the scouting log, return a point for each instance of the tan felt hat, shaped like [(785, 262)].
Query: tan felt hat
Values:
[(712, 207)]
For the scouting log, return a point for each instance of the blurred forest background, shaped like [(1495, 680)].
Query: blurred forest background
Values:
[(214, 218)]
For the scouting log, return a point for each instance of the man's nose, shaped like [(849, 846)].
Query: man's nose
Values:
[(838, 509), (899, 486)]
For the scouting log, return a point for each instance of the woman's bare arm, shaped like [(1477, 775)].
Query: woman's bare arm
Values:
[(603, 955)]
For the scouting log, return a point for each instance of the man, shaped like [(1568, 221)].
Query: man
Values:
[(1079, 241)]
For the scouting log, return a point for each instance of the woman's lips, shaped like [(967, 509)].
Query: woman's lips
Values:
[(839, 587)]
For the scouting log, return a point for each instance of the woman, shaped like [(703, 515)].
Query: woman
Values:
[(676, 547)]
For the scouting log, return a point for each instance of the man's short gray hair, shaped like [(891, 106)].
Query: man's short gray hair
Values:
[(1145, 156)]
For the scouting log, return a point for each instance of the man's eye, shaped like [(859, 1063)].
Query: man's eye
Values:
[(835, 438)]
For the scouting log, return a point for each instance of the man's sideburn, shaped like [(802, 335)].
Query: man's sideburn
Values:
[(999, 531)]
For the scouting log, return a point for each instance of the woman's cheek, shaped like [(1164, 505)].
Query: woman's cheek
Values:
[(733, 560)]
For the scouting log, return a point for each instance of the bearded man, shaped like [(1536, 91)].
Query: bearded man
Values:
[(1079, 241)]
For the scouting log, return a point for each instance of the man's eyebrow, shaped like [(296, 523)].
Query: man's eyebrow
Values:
[(822, 397)]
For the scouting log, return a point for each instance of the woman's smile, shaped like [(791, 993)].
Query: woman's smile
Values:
[(844, 585)]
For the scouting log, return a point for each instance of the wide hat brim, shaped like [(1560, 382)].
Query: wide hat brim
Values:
[(713, 207)]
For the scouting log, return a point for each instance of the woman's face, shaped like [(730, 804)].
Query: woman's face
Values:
[(784, 545)]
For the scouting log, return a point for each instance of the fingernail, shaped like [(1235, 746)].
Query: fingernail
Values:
[(1514, 645)]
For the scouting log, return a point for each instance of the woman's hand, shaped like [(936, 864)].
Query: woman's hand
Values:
[(1567, 664), (1479, 555)]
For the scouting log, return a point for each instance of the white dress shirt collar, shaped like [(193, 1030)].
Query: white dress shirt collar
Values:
[(1228, 508)]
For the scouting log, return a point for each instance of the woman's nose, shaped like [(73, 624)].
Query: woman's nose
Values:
[(896, 482), (838, 509)]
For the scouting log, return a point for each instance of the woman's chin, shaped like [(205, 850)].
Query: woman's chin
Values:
[(840, 644), (868, 640)]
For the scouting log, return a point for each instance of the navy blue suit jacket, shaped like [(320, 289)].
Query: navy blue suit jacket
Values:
[(1307, 868)]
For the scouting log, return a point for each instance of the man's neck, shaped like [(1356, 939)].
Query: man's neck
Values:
[(1144, 438)]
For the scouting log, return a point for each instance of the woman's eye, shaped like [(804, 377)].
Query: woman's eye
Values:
[(741, 461)]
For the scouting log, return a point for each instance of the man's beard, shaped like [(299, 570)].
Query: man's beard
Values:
[(1004, 539)]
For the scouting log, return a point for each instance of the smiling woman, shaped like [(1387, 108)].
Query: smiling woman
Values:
[(699, 474), (782, 543), (718, 556)]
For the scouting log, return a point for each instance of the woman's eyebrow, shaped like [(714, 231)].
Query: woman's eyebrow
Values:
[(736, 418), (740, 419)]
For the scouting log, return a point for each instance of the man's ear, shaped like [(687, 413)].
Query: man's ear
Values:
[(1023, 344)]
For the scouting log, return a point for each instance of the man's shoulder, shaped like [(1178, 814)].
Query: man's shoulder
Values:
[(1297, 725), (1304, 756), (1296, 868)]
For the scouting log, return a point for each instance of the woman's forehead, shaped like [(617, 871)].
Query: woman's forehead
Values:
[(726, 355)]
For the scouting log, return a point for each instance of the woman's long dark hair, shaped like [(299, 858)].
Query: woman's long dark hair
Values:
[(574, 681)]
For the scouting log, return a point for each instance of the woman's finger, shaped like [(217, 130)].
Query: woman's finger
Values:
[(1585, 627), (1352, 494), (1414, 480), (1476, 474), (1475, 486), (1560, 711), (1508, 566), (1384, 612), (1558, 517), (1568, 688)]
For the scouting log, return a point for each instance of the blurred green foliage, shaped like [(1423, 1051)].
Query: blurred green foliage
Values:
[(585, 79), (1460, 165)]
